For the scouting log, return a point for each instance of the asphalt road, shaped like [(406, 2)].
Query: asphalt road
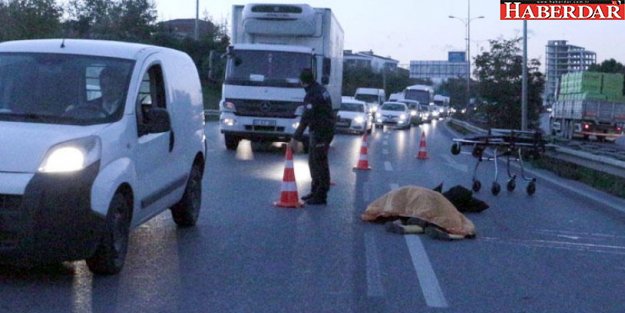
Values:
[(559, 250)]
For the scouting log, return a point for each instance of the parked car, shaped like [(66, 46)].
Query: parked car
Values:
[(79, 172), (415, 111), (353, 116), (394, 114)]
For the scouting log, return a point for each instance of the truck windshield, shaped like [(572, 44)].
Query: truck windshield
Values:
[(367, 98), (266, 68), (422, 96), (62, 88)]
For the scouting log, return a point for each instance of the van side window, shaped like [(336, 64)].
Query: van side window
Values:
[(151, 94)]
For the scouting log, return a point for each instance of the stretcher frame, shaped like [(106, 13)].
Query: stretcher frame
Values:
[(507, 143)]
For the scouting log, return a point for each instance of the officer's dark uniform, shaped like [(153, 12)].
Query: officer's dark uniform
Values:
[(319, 118)]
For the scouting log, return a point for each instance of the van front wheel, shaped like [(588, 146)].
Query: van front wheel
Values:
[(186, 212), (110, 255)]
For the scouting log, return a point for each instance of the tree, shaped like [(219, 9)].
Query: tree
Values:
[(28, 19), (126, 20), (608, 66), (499, 80)]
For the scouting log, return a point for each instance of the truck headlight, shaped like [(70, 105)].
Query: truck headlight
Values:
[(72, 156), (228, 121)]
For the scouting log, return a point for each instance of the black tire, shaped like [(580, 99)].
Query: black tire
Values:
[(455, 149), (476, 185), (511, 185), (531, 188), (186, 212), (495, 189), (232, 142), (110, 255)]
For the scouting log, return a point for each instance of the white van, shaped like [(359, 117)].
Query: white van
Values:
[(372, 96), (97, 138)]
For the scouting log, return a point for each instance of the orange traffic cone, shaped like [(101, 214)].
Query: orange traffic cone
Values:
[(288, 190), (423, 154), (363, 160)]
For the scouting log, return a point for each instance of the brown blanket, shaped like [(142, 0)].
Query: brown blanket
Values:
[(425, 204)]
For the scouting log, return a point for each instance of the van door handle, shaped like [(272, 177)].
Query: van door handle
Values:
[(172, 140)]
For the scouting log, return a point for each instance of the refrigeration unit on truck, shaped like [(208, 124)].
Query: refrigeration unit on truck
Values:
[(589, 104), (262, 99)]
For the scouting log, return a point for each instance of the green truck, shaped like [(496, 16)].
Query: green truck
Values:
[(589, 105)]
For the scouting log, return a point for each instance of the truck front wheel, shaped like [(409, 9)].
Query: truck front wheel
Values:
[(232, 142)]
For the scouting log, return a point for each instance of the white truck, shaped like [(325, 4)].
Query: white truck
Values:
[(262, 99), (372, 96)]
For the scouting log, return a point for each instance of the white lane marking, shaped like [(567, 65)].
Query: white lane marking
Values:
[(374, 277), (384, 151), (385, 142), (388, 167), (430, 287), (460, 167)]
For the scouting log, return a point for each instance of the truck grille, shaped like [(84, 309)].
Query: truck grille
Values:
[(263, 108)]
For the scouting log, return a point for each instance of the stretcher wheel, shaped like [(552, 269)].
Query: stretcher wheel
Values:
[(496, 188), (511, 184), (531, 188), (476, 185), (455, 149)]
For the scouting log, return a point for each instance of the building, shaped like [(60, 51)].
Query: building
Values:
[(439, 71), (185, 28), (368, 59), (562, 58)]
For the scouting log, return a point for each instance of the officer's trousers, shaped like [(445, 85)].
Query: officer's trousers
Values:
[(319, 168)]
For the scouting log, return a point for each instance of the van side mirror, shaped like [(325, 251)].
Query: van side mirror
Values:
[(156, 120)]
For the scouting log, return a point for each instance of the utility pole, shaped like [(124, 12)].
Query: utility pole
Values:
[(467, 24), (196, 34), (524, 80)]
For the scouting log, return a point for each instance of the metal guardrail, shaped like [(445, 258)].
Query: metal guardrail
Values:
[(585, 159), (211, 112)]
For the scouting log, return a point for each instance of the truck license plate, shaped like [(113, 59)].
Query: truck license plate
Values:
[(264, 123)]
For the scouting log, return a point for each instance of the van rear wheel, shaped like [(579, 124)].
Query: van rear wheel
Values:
[(186, 212), (110, 255)]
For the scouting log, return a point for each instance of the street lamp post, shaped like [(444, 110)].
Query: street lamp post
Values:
[(467, 24)]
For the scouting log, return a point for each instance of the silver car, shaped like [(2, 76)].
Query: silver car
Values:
[(395, 114)]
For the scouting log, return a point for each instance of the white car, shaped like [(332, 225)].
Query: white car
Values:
[(76, 176), (395, 114), (353, 116)]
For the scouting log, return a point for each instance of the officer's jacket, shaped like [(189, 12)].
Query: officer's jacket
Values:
[(318, 114)]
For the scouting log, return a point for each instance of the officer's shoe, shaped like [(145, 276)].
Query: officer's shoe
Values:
[(308, 196), (316, 201)]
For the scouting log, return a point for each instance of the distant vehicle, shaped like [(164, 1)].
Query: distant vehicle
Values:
[(394, 114), (422, 93), (372, 96), (442, 102), (262, 99), (416, 112), (353, 116), (427, 113), (396, 96), (76, 177), (589, 104)]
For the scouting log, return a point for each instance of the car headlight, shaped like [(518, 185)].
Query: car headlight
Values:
[(72, 156), (413, 113), (359, 120), (402, 117)]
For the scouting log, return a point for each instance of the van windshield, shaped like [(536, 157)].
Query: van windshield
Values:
[(266, 68), (366, 98), (62, 88)]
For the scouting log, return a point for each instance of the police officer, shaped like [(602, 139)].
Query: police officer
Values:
[(319, 118)]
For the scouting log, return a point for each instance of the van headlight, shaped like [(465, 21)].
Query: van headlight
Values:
[(72, 156)]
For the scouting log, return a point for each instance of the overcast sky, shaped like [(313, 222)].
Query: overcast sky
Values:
[(408, 30)]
